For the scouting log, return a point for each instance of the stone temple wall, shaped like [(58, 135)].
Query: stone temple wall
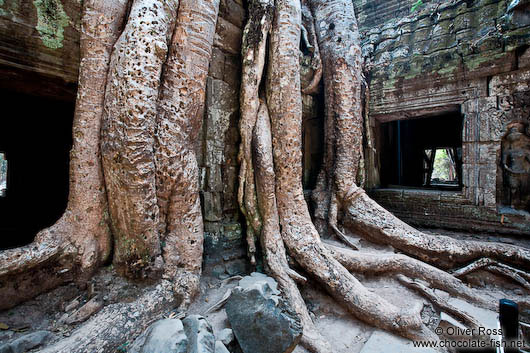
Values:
[(225, 246), (470, 56)]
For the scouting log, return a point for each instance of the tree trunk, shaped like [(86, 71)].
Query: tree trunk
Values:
[(179, 121), (127, 136)]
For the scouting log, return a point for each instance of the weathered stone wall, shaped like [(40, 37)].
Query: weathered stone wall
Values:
[(39, 47), (450, 55), (224, 241)]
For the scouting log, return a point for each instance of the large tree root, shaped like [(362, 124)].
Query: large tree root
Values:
[(256, 136), (298, 232), (392, 264), (127, 135), (118, 324), (368, 219), (441, 304), (271, 239)]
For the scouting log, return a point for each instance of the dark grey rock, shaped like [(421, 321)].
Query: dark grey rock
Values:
[(163, 336), (226, 336), (261, 320), (200, 334), (27, 342), (236, 267)]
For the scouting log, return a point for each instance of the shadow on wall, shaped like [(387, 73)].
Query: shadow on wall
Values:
[(36, 138)]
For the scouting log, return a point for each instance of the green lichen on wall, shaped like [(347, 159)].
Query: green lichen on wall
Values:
[(51, 22), (2, 11)]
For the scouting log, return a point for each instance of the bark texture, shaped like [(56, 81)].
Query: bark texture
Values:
[(147, 98), (127, 136), (179, 120), (118, 323)]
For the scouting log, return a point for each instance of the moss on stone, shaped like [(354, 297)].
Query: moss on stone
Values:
[(51, 22), (3, 12)]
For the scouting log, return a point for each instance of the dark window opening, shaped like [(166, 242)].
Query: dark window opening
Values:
[(35, 140), (423, 152), (312, 139)]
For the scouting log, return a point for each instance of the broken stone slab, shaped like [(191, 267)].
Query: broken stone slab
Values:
[(226, 336), (257, 280), (220, 347), (383, 342), (261, 320), (165, 335), (200, 334), (27, 342), (485, 317)]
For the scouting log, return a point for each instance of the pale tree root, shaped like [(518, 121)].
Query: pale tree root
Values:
[(117, 324), (30, 270), (257, 180), (392, 264), (79, 241), (371, 221), (253, 53), (272, 243), (127, 136), (178, 123), (517, 275), (439, 303), (309, 37)]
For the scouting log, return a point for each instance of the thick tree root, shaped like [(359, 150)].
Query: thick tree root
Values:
[(127, 135), (27, 271), (441, 304), (368, 219), (253, 52), (387, 264), (260, 183), (118, 324), (271, 239)]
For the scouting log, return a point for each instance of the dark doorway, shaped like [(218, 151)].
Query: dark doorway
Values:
[(35, 139), (422, 152)]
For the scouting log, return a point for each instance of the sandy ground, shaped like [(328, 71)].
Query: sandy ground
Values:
[(343, 331)]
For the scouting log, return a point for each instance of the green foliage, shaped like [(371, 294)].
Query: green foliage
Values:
[(416, 5)]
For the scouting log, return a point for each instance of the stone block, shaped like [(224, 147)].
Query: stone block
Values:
[(232, 12), (215, 178), (217, 64), (200, 335), (212, 206), (232, 71), (162, 336), (227, 36)]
